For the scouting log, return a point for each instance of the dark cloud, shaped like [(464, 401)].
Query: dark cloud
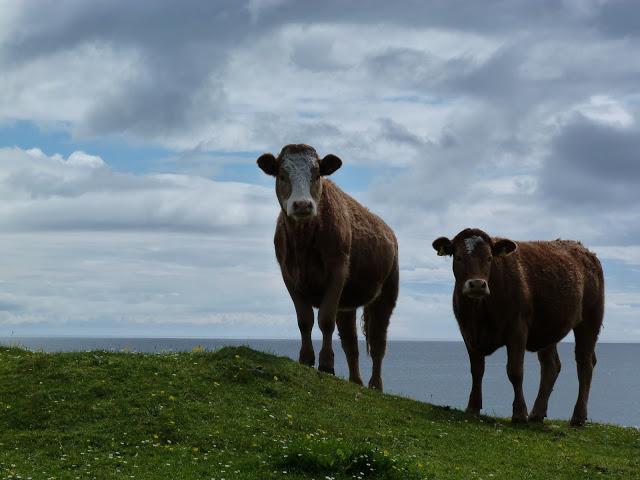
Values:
[(490, 16), (178, 47), (618, 18), (593, 164)]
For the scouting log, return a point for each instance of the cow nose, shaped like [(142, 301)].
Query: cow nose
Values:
[(302, 207), (475, 288), (477, 284)]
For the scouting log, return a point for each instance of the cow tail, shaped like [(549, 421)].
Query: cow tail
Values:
[(365, 328)]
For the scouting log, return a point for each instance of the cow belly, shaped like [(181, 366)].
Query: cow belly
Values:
[(355, 295), (543, 335)]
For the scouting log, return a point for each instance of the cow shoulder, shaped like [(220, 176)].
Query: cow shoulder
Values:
[(280, 239), (334, 239)]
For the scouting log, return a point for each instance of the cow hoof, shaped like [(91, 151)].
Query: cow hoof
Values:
[(375, 384), (326, 369), (356, 380), (472, 411), (307, 357), (309, 362), (519, 419), (534, 418), (578, 421)]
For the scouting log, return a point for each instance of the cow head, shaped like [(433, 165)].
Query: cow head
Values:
[(299, 171), (473, 253)]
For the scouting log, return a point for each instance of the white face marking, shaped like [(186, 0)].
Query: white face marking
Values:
[(472, 242), (299, 167)]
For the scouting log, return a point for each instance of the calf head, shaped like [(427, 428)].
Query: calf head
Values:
[(473, 253), (299, 170)]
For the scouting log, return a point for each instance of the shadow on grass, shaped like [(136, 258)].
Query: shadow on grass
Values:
[(331, 459)]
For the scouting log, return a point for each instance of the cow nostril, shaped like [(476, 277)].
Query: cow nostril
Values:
[(302, 205), (478, 284)]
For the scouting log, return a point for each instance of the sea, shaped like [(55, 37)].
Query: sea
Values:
[(431, 371)]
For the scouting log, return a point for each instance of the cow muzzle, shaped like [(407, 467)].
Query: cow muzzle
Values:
[(475, 288), (302, 209)]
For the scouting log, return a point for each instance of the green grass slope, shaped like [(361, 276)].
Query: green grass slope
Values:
[(241, 414)]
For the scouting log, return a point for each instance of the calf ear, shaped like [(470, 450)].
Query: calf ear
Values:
[(504, 247), (443, 246), (329, 164), (268, 164)]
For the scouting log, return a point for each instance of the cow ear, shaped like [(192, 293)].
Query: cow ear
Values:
[(503, 247), (443, 246), (329, 164), (268, 164)]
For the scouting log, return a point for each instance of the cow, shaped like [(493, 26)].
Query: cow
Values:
[(527, 296), (334, 255)]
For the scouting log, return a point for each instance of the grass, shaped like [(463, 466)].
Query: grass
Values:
[(240, 414)]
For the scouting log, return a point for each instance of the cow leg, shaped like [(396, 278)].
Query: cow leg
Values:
[(327, 316), (377, 315), (349, 337), (304, 312), (586, 335), (477, 372), (549, 371), (515, 372)]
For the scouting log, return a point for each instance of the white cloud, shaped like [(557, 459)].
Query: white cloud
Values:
[(82, 193), (629, 254), (62, 87)]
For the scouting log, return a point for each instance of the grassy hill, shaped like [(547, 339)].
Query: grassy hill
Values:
[(237, 413)]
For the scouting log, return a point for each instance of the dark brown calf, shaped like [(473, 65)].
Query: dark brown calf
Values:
[(335, 255), (529, 297)]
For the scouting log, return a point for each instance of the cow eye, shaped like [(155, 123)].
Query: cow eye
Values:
[(281, 177), (458, 258)]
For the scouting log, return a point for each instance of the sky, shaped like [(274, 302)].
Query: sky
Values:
[(131, 204)]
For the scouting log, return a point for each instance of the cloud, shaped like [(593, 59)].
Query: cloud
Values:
[(519, 118), (81, 192), (217, 74), (593, 163)]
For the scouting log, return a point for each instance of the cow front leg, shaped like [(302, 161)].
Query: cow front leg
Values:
[(304, 313), (477, 372), (515, 372), (327, 318)]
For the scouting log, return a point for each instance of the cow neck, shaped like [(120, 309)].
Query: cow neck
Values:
[(301, 233), (304, 232)]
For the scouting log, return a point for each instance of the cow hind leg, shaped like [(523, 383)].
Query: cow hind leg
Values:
[(586, 335), (549, 371), (377, 315), (347, 330)]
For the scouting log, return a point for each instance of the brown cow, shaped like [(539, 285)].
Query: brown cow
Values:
[(335, 255), (529, 297)]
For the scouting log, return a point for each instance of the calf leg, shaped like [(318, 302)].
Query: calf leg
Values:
[(304, 312), (349, 337), (477, 372), (515, 372), (586, 336), (377, 315), (549, 370)]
